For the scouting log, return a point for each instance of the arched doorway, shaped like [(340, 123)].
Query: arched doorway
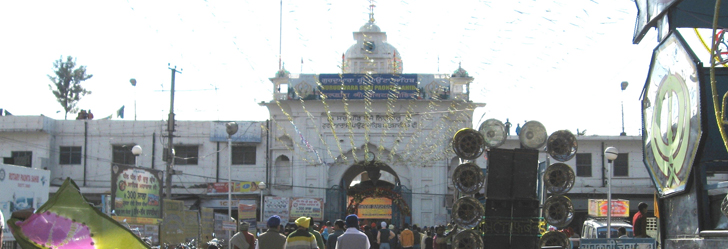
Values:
[(374, 180)]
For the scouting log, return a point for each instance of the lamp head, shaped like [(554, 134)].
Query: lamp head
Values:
[(624, 85), (133, 81), (261, 185), (611, 153), (231, 128), (136, 150)]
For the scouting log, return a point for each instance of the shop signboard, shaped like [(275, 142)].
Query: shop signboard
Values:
[(246, 212), (238, 188), (136, 191), (22, 188), (598, 208), (309, 207), (277, 206)]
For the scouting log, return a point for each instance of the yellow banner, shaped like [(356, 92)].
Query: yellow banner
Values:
[(174, 223), (375, 208), (137, 220), (208, 223)]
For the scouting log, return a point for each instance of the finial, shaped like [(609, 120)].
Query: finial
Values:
[(371, 11)]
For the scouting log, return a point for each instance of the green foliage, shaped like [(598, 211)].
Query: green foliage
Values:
[(67, 81)]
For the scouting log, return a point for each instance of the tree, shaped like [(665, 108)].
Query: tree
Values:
[(67, 81)]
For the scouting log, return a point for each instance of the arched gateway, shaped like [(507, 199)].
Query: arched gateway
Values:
[(370, 181)]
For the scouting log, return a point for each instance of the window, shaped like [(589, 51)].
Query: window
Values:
[(584, 164), (19, 158), (621, 165), (70, 155), (185, 154), (122, 154), (244, 155)]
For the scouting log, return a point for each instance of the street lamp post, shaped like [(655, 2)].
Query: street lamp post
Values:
[(624, 86), (261, 187), (133, 83), (611, 154), (137, 151), (231, 128)]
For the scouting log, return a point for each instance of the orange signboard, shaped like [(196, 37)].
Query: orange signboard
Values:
[(375, 208), (246, 212), (598, 208)]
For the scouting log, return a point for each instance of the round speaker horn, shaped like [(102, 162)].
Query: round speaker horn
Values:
[(467, 239), (724, 206), (468, 144), (533, 135), (467, 212), (494, 132), (558, 178), (558, 211), (468, 178), (554, 238), (562, 145)]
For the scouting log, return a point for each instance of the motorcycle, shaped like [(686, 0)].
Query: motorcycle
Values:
[(215, 243)]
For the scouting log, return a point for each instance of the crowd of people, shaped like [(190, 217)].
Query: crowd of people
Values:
[(349, 233)]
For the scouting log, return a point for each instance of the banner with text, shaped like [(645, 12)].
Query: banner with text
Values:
[(599, 207), (208, 223), (357, 86), (374, 208), (238, 188), (309, 207), (173, 226), (246, 212), (276, 206), (136, 191)]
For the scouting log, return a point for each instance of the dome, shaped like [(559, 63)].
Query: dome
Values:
[(370, 27), (460, 72), (283, 73)]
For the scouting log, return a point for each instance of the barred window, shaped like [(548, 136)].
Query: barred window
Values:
[(186, 154), (584, 164), (70, 155), (244, 155), (621, 165)]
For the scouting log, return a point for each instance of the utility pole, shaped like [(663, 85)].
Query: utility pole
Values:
[(170, 129)]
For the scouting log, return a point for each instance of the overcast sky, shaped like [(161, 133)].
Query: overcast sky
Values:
[(560, 62)]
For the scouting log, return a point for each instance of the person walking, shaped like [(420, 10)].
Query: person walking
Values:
[(301, 238), (272, 239), (407, 238), (639, 222), (338, 231), (316, 234), (418, 237), (352, 238), (243, 239), (384, 236)]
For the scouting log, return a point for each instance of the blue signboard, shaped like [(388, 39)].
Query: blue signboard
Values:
[(372, 86), (628, 243), (248, 132)]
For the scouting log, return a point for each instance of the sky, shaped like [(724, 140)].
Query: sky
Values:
[(559, 62)]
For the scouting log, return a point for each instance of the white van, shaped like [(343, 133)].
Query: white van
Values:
[(597, 228)]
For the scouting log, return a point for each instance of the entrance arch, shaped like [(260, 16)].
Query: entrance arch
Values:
[(344, 171)]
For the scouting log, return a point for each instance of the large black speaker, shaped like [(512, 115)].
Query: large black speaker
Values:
[(498, 208), (500, 171), (525, 242), (525, 208), (525, 172), (497, 241)]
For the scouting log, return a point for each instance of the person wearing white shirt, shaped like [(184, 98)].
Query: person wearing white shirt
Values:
[(352, 238)]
